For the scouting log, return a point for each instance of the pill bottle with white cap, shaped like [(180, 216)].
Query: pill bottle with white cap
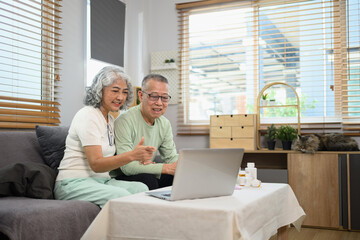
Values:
[(251, 170)]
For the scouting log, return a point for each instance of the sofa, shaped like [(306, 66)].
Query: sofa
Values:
[(28, 169)]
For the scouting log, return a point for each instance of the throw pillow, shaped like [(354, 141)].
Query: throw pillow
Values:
[(27, 179), (52, 143)]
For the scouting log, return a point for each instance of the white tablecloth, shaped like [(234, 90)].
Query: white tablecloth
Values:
[(250, 213)]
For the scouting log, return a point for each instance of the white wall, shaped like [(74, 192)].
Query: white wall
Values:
[(73, 62), (136, 43)]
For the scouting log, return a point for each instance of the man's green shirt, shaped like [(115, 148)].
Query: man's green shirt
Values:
[(130, 127)]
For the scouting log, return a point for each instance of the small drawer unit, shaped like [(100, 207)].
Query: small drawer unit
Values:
[(233, 131)]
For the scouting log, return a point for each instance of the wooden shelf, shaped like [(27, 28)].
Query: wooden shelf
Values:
[(259, 106), (275, 106), (170, 66)]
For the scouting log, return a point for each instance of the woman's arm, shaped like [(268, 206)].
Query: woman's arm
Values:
[(99, 163)]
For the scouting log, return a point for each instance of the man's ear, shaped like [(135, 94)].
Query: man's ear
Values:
[(140, 95)]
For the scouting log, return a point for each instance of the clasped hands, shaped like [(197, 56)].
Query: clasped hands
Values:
[(144, 154)]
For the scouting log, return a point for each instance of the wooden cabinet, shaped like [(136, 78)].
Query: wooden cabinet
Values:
[(233, 131), (326, 184), (315, 182)]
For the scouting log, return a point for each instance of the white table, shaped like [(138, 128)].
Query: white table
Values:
[(250, 213)]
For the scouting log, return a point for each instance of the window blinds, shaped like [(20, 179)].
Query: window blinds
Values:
[(350, 68), (231, 49), (29, 63)]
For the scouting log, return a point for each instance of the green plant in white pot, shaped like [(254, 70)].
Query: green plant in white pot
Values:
[(264, 99), (286, 134)]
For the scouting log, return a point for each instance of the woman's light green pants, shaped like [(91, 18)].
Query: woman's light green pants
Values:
[(96, 190)]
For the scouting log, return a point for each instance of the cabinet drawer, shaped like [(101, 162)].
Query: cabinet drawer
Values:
[(232, 120), (243, 131), (220, 132), (247, 119), (246, 143)]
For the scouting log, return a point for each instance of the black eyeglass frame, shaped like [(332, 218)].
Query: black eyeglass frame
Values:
[(167, 98)]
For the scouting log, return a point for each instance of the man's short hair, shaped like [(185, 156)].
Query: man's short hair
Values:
[(156, 77)]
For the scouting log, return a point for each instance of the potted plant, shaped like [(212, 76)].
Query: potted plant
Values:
[(169, 62), (264, 99), (271, 136), (272, 102), (286, 134)]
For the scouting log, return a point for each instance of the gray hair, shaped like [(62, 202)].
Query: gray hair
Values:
[(156, 77), (105, 77)]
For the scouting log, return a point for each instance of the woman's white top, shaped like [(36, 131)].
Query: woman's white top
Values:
[(88, 127)]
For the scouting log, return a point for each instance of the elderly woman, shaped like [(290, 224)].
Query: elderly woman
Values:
[(90, 150)]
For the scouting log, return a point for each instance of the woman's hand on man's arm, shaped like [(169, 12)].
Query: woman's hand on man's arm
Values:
[(143, 154)]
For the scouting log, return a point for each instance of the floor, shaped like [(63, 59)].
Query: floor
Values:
[(320, 234)]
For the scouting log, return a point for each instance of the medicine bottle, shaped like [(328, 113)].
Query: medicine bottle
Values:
[(251, 170), (241, 178)]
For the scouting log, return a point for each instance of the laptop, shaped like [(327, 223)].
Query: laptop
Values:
[(203, 173)]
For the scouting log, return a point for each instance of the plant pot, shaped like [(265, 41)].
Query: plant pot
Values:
[(264, 102), (286, 145), (271, 144)]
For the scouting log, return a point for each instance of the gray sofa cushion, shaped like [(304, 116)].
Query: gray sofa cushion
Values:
[(42, 219), (19, 147), (52, 142), (29, 179)]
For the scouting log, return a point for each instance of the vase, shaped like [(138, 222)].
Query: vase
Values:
[(286, 145), (264, 102), (271, 144)]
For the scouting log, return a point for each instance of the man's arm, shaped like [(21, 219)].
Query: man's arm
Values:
[(125, 140), (168, 149)]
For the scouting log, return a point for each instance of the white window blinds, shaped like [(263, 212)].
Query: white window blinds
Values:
[(230, 51), (29, 63), (350, 67)]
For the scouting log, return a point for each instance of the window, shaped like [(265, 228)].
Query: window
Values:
[(29, 63), (230, 51)]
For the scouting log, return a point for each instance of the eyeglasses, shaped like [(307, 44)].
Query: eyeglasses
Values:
[(155, 98), (110, 135)]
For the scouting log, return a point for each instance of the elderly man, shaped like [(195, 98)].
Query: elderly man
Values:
[(147, 120)]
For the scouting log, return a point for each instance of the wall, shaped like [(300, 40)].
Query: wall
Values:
[(73, 62), (136, 43)]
